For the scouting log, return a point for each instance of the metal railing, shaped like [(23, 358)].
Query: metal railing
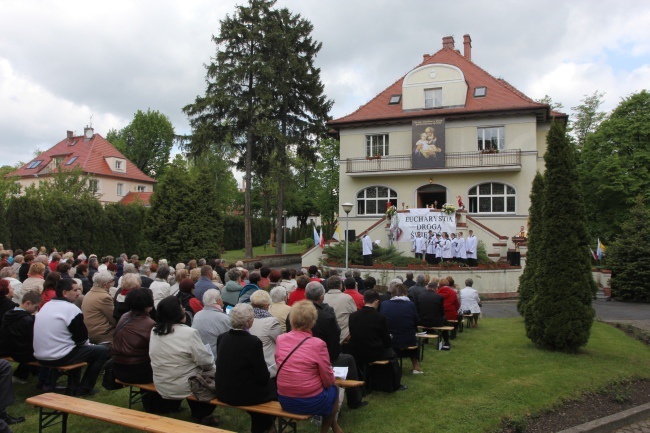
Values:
[(504, 158)]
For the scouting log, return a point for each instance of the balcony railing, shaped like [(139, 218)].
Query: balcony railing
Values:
[(504, 158)]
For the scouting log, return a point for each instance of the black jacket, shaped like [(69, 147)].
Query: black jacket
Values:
[(369, 336), (17, 335), (6, 304), (431, 311), (242, 376), (86, 284), (23, 271)]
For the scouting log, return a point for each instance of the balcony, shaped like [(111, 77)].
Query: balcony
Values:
[(505, 160)]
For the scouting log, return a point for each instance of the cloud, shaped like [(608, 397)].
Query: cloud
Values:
[(109, 59)]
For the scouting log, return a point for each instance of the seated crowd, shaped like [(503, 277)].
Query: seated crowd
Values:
[(270, 335)]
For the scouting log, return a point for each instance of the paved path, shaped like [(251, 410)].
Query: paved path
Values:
[(637, 427), (608, 311)]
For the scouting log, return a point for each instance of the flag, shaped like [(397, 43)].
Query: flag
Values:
[(337, 233), (316, 237), (600, 250), (321, 240), (593, 254)]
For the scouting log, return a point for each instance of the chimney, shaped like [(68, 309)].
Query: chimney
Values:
[(89, 132), (70, 135), (425, 57), (448, 42), (467, 47)]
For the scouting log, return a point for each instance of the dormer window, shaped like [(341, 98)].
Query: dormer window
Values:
[(433, 98), (118, 165), (480, 92), (395, 99)]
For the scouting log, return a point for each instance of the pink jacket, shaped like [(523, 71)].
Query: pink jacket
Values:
[(308, 370)]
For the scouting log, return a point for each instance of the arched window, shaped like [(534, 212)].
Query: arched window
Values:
[(372, 200), (492, 197)]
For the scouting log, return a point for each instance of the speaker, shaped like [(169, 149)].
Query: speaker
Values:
[(351, 235), (514, 257)]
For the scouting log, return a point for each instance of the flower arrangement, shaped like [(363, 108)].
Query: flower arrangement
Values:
[(390, 211), (448, 208), (370, 158)]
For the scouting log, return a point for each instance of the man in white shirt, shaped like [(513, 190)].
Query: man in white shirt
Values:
[(366, 244), (471, 245)]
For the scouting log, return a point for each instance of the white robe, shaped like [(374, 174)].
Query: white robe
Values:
[(420, 245), (446, 249), (471, 244), (461, 252), (431, 246), (366, 243)]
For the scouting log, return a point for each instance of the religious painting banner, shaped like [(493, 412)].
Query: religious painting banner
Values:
[(408, 224), (428, 144)]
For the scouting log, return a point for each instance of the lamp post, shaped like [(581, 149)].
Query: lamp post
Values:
[(347, 207), (284, 233)]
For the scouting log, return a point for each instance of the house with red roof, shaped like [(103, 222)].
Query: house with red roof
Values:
[(446, 129), (113, 176)]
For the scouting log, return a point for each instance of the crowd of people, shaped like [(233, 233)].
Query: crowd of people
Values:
[(269, 334)]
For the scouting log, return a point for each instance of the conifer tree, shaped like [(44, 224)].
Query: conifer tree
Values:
[(559, 315), (628, 256), (528, 280)]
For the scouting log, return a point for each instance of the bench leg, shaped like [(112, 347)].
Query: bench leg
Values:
[(288, 424), (49, 418), (135, 396)]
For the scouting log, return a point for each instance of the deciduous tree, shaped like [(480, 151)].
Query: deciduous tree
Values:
[(147, 141)]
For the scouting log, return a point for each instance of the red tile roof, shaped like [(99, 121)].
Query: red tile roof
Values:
[(501, 96), (132, 197), (89, 154)]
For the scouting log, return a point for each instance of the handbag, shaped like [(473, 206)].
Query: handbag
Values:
[(108, 381), (203, 385)]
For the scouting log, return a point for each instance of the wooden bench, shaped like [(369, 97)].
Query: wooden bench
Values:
[(468, 320), (422, 338), (437, 329), (457, 326), (285, 419), (55, 408), (64, 370)]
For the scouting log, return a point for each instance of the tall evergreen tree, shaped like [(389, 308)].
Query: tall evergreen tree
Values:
[(529, 281), (234, 108), (184, 220), (559, 315), (628, 256)]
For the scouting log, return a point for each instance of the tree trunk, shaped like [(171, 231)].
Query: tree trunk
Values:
[(282, 153), (248, 237)]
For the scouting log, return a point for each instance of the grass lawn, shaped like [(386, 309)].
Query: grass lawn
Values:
[(264, 250), (491, 372)]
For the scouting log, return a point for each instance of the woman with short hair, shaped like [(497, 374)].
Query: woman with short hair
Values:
[(242, 377), (306, 383), (266, 327), (230, 292), (177, 353)]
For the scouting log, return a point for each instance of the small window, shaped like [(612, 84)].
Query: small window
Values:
[(73, 143), (376, 145), (118, 165), (73, 159), (480, 92), (394, 99), (491, 139), (433, 98), (93, 185), (120, 189), (35, 164), (141, 188)]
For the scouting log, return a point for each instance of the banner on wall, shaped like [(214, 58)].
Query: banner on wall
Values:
[(428, 143), (408, 224)]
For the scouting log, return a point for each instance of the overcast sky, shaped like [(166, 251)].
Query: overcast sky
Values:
[(63, 61)]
